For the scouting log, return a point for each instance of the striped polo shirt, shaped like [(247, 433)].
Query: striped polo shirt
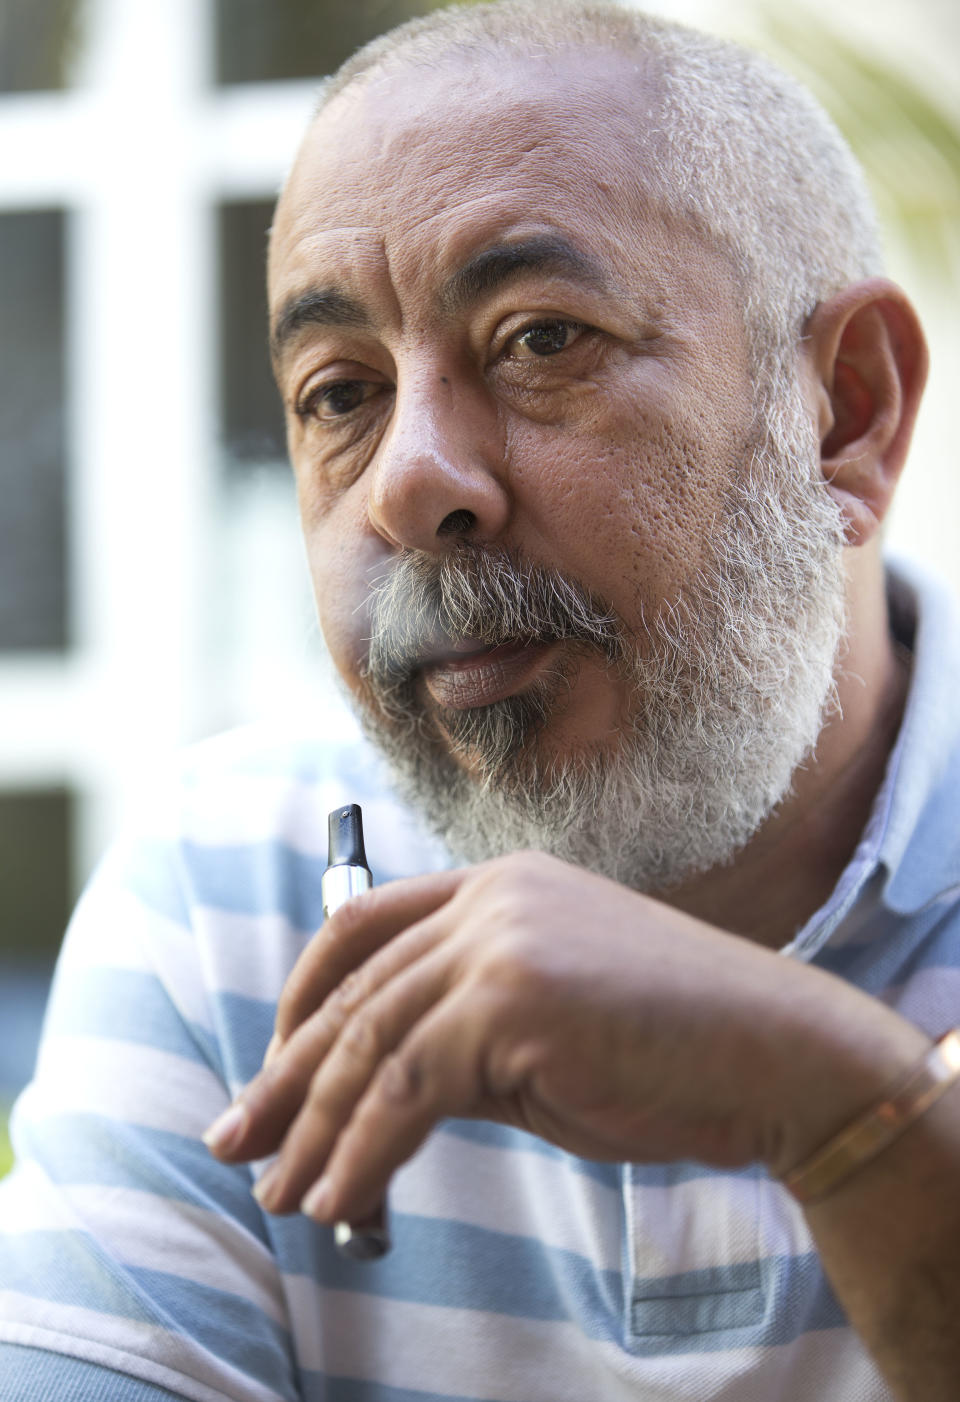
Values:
[(134, 1267)]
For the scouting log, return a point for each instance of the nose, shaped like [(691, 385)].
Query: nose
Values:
[(438, 476)]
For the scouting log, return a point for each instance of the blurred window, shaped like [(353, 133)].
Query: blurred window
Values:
[(250, 414), (37, 43), (36, 861), (33, 613), (35, 873), (262, 40)]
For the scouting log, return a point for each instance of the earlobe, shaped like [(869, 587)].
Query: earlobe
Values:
[(867, 351)]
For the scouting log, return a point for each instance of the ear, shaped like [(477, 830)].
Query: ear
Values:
[(867, 352)]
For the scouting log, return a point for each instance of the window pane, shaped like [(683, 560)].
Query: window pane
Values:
[(32, 512), (260, 40), (251, 418), (37, 43), (35, 866)]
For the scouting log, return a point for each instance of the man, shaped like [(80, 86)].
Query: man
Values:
[(596, 403)]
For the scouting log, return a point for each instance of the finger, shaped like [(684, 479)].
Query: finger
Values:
[(351, 935), (272, 1099), (368, 1037), (435, 1073)]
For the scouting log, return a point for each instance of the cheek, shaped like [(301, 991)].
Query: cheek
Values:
[(630, 513), (342, 561)]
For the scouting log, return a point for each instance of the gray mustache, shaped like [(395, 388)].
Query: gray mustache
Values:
[(492, 595)]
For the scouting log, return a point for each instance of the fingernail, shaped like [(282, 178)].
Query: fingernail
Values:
[(266, 1186), (316, 1201), (273, 1046), (225, 1132)]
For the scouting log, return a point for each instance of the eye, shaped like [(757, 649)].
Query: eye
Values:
[(546, 338), (337, 398)]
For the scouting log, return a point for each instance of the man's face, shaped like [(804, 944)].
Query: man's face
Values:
[(486, 335), (520, 339)]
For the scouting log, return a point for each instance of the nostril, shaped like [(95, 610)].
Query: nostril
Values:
[(457, 523)]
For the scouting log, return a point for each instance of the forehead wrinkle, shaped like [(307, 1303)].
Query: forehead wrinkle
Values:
[(319, 306), (544, 253)]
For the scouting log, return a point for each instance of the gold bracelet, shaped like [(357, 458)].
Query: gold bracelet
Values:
[(864, 1137)]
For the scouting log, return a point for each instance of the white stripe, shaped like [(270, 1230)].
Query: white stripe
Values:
[(125, 1081), (264, 808), (111, 927), (829, 1364), (228, 796), (440, 1349), (247, 955), (128, 1347), (506, 1359), (30, 1202), (238, 808), (711, 1221)]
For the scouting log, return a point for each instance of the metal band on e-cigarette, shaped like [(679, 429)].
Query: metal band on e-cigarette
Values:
[(340, 884)]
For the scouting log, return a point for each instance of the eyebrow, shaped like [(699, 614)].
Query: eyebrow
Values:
[(488, 270), (321, 306), (544, 253)]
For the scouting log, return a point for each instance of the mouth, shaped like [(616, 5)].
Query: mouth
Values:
[(471, 673)]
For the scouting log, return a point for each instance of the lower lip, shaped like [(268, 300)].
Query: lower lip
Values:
[(481, 678)]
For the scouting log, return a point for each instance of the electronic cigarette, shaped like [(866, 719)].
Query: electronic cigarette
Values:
[(347, 875)]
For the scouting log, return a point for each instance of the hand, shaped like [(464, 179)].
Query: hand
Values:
[(542, 996)]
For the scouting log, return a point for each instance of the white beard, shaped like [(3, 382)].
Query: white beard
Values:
[(732, 687)]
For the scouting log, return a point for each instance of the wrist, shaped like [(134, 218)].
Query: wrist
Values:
[(868, 1134), (844, 1056)]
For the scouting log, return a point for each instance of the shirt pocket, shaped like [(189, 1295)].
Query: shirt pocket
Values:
[(697, 1248)]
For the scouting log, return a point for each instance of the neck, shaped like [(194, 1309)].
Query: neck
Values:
[(789, 868)]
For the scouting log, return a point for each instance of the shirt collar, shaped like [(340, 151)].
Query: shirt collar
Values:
[(909, 838), (918, 848)]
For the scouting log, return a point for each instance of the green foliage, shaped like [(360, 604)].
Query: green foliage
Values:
[(903, 128), (6, 1153)]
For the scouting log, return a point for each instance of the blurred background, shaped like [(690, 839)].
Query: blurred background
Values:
[(152, 589)]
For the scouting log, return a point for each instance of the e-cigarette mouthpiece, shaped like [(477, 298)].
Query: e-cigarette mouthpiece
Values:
[(345, 837)]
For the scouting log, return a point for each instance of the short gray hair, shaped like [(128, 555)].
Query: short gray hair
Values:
[(739, 149)]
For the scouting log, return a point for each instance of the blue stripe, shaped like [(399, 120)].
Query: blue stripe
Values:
[(135, 1007), (608, 1175), (34, 1375), (670, 1175), (228, 1325), (325, 1387), (128, 1006), (496, 1136), (894, 956), (438, 1262), (71, 1268), (263, 878), (94, 1151), (244, 1027)]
